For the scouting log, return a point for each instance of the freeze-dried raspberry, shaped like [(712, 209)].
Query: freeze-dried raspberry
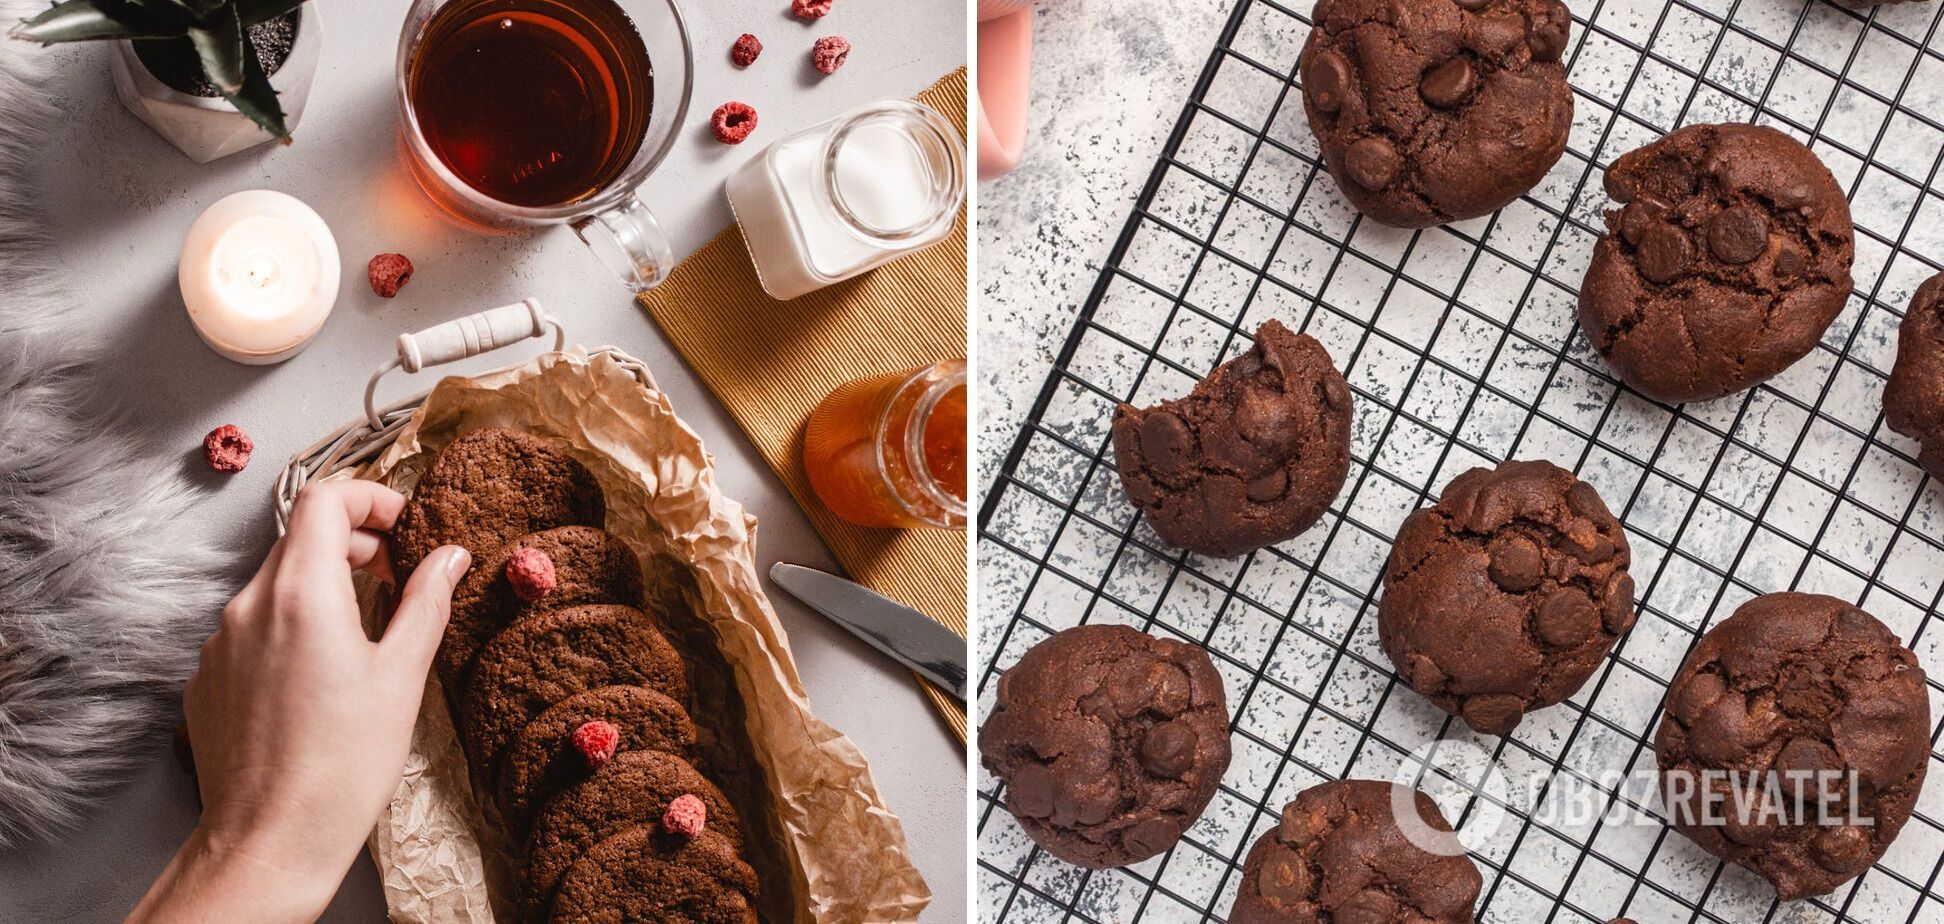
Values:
[(531, 573), (733, 122), (227, 449), (829, 53), (596, 741), (745, 50), (389, 273), (810, 9), (686, 816)]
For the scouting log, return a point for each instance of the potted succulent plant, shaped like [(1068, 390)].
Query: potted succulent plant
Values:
[(212, 76)]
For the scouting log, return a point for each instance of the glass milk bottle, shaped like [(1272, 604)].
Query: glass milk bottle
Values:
[(848, 196)]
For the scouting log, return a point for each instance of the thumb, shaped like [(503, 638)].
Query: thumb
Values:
[(420, 620)]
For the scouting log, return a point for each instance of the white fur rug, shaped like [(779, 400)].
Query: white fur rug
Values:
[(104, 597)]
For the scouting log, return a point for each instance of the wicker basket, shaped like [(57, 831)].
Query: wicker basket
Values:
[(360, 441)]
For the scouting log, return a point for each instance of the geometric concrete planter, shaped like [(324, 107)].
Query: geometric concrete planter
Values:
[(208, 127)]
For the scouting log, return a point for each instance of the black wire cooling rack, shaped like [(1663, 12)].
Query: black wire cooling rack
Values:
[(1461, 346)]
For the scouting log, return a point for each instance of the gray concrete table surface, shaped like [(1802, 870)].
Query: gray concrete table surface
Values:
[(1109, 80), (120, 199)]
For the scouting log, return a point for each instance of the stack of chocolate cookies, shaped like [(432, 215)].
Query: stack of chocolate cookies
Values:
[(571, 703)]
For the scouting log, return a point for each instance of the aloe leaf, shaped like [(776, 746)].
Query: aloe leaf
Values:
[(256, 98), (221, 47), (89, 20), (256, 11)]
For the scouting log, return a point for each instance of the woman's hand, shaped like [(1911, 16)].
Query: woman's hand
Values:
[(299, 722)]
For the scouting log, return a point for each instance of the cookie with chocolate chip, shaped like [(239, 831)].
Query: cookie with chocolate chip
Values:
[(1913, 402), (1340, 854), (1728, 258), (1110, 742), (1438, 110), (590, 565), (491, 486), (1808, 699), (647, 874), (1251, 457), (1504, 596), (634, 787), (542, 759)]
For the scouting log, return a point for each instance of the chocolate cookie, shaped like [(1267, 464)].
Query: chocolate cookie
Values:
[(1728, 261), (489, 487), (632, 789), (542, 759), (552, 655), (1252, 456), (1913, 402), (1795, 682), (645, 874), (1437, 110), (1503, 597), (591, 565), (1110, 742), (1340, 855)]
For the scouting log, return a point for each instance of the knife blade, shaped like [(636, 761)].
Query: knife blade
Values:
[(911, 638)]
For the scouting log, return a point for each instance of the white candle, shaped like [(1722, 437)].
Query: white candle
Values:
[(259, 274)]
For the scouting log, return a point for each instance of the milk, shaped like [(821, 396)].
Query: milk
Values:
[(835, 201)]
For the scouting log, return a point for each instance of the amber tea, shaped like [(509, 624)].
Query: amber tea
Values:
[(532, 102)]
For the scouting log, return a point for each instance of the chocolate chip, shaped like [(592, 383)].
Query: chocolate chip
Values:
[(1372, 163), (1494, 713), (1738, 234), (1265, 421), (1167, 444), (1450, 84), (1367, 907), (1168, 750), (1664, 252), (1425, 674), (1640, 216), (1584, 499), (1146, 685), (1799, 767), (1284, 878), (1793, 195), (1589, 545), (1617, 603), (1150, 836), (1269, 485), (1549, 32), (1748, 817), (1843, 850), (1517, 565), (1473, 5), (1698, 696), (1030, 794), (1789, 260), (1328, 78), (1299, 827), (1336, 393), (1089, 804), (1567, 618)]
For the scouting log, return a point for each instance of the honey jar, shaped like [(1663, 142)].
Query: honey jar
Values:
[(890, 450)]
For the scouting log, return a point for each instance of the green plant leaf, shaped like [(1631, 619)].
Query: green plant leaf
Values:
[(92, 20), (256, 98), (256, 11), (221, 47)]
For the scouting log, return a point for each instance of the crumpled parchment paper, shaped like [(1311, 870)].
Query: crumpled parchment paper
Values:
[(833, 852)]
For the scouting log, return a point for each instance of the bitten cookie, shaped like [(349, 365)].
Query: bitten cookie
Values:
[(633, 787), (591, 566), (550, 656), (1503, 597), (1796, 682), (1110, 742), (1339, 855), (543, 760), (1437, 110), (1913, 402), (489, 487), (1251, 457), (644, 874), (1727, 261)]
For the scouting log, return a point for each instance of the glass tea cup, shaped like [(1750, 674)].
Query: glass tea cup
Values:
[(605, 211)]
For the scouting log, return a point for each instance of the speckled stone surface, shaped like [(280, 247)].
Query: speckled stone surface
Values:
[(1461, 346)]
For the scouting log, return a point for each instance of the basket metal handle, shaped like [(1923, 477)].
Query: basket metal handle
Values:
[(462, 338)]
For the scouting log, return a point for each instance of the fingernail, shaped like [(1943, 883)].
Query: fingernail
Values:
[(457, 561)]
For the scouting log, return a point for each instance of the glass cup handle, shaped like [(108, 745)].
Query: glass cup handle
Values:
[(629, 242)]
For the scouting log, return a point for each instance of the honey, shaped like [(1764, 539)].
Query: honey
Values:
[(890, 450)]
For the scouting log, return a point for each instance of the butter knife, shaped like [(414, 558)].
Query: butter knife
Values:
[(911, 638)]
